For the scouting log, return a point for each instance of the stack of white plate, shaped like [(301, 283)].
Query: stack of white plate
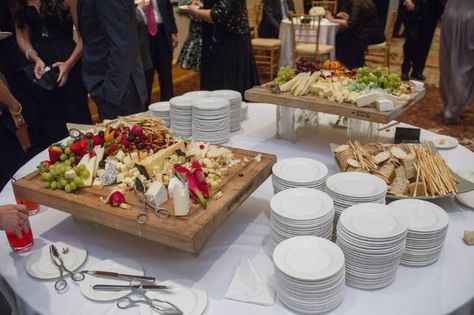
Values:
[(428, 225), (244, 112), (300, 211), (162, 111), (309, 274), (197, 94), (211, 118), (181, 113), (351, 188), (235, 100), (372, 237), (298, 172)]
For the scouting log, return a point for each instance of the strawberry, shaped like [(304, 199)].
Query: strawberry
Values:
[(55, 152), (89, 135), (112, 148), (116, 199), (44, 166), (137, 130), (97, 140), (80, 147), (92, 154)]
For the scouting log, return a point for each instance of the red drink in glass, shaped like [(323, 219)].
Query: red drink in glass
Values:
[(20, 244), (33, 207)]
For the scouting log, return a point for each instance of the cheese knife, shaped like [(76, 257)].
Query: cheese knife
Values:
[(109, 274), (118, 287)]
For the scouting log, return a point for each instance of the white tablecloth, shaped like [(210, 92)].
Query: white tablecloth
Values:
[(327, 37), (440, 288)]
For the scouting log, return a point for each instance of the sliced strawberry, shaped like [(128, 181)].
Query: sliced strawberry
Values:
[(98, 140), (55, 152)]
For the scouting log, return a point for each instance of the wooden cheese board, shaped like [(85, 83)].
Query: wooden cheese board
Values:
[(188, 233), (263, 94)]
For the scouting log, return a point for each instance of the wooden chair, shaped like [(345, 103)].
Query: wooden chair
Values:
[(265, 50), (305, 32), (329, 5), (383, 49)]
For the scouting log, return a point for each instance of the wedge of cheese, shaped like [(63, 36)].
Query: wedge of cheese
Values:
[(90, 164), (157, 159)]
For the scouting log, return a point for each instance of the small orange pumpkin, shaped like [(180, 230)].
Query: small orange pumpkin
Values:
[(331, 65)]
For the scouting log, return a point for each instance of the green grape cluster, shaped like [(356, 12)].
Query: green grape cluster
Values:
[(378, 78), (285, 74), (55, 178)]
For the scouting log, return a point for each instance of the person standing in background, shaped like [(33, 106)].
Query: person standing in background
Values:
[(112, 68), (190, 54), (163, 35), (456, 58), (44, 33), (419, 18), (145, 53), (227, 56), (273, 12)]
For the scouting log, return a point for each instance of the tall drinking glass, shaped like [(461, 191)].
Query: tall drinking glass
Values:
[(22, 241)]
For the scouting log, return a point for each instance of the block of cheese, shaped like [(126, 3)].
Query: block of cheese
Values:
[(128, 162), (120, 155), (384, 105), (173, 183), (157, 159), (419, 86), (156, 194), (368, 98), (181, 201)]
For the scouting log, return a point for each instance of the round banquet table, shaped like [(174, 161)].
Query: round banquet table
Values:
[(443, 287), (327, 37)]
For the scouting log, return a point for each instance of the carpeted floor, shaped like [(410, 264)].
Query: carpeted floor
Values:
[(426, 114)]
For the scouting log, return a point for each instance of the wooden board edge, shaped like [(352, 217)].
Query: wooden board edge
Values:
[(204, 234)]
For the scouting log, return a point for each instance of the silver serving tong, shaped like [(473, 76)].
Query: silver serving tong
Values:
[(142, 215), (61, 284)]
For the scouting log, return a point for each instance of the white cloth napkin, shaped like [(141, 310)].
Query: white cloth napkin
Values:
[(249, 286)]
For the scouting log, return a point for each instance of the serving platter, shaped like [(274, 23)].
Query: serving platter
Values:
[(263, 94), (188, 233), (462, 186)]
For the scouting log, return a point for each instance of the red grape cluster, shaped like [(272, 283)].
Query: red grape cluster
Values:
[(304, 65)]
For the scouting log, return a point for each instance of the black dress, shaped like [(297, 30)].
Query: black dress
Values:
[(227, 56), (363, 29), (52, 38)]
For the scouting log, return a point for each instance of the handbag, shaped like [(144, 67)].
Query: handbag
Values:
[(49, 79)]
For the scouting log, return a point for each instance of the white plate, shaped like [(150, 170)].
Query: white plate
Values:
[(39, 264), (308, 258), (301, 204), (356, 185), (120, 265), (233, 96), (197, 94), (160, 107), (442, 142), (4, 35), (211, 104), (423, 216), (300, 170), (192, 300), (373, 220)]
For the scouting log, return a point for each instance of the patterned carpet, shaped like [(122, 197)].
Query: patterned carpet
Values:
[(426, 114)]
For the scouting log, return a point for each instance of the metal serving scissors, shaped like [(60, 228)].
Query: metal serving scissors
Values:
[(61, 284), (138, 296), (142, 215)]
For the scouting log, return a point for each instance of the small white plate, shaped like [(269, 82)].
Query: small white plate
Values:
[(356, 185), (300, 170), (374, 221), (443, 142), (4, 35), (308, 258), (192, 300), (120, 265), (39, 264), (160, 107), (423, 216)]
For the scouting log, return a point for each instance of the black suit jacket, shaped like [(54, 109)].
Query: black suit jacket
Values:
[(169, 22), (271, 18), (111, 56)]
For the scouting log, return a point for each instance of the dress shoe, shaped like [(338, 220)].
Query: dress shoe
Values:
[(404, 76), (419, 77)]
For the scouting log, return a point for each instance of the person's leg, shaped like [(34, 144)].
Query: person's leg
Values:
[(162, 56), (5, 307), (425, 37), (149, 84), (409, 48)]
